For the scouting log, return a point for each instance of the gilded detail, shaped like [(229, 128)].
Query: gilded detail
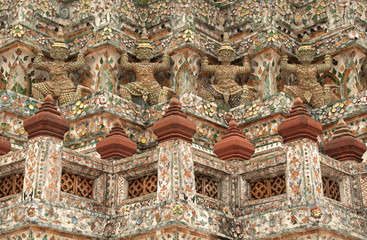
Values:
[(308, 89), (60, 86), (145, 86), (227, 88)]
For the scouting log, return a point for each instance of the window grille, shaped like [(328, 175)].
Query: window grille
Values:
[(11, 184), (77, 185), (207, 186), (268, 187), (142, 185), (331, 188)]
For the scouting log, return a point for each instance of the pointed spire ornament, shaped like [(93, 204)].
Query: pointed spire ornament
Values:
[(226, 44), (306, 45), (344, 146), (174, 124), (47, 121), (144, 40), (234, 145), (299, 124), (116, 145), (60, 40)]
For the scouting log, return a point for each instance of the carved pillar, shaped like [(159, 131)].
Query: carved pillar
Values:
[(116, 145), (234, 146), (299, 132), (175, 165), (46, 129)]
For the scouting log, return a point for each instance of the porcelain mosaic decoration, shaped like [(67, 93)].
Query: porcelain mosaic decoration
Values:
[(265, 84)]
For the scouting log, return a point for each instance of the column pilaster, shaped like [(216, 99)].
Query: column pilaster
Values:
[(299, 132), (46, 130), (176, 179)]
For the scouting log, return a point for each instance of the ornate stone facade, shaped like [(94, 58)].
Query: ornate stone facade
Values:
[(175, 186)]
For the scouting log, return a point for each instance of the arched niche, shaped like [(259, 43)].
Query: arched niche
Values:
[(18, 79), (106, 79)]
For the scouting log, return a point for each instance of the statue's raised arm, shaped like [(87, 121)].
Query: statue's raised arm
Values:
[(125, 64), (284, 65), (165, 65), (226, 87), (326, 66), (205, 67), (246, 68), (80, 61), (39, 62)]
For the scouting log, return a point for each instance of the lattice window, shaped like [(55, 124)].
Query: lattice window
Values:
[(331, 188), (207, 186), (142, 185), (268, 187), (11, 184), (77, 185)]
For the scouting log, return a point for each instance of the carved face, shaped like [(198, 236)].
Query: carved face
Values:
[(144, 54), (226, 56), (59, 53), (306, 56)]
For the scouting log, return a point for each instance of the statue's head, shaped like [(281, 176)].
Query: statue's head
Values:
[(144, 51), (306, 53), (226, 53), (59, 50)]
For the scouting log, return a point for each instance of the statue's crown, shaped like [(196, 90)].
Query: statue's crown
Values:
[(144, 41), (60, 41), (226, 45), (306, 45)]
